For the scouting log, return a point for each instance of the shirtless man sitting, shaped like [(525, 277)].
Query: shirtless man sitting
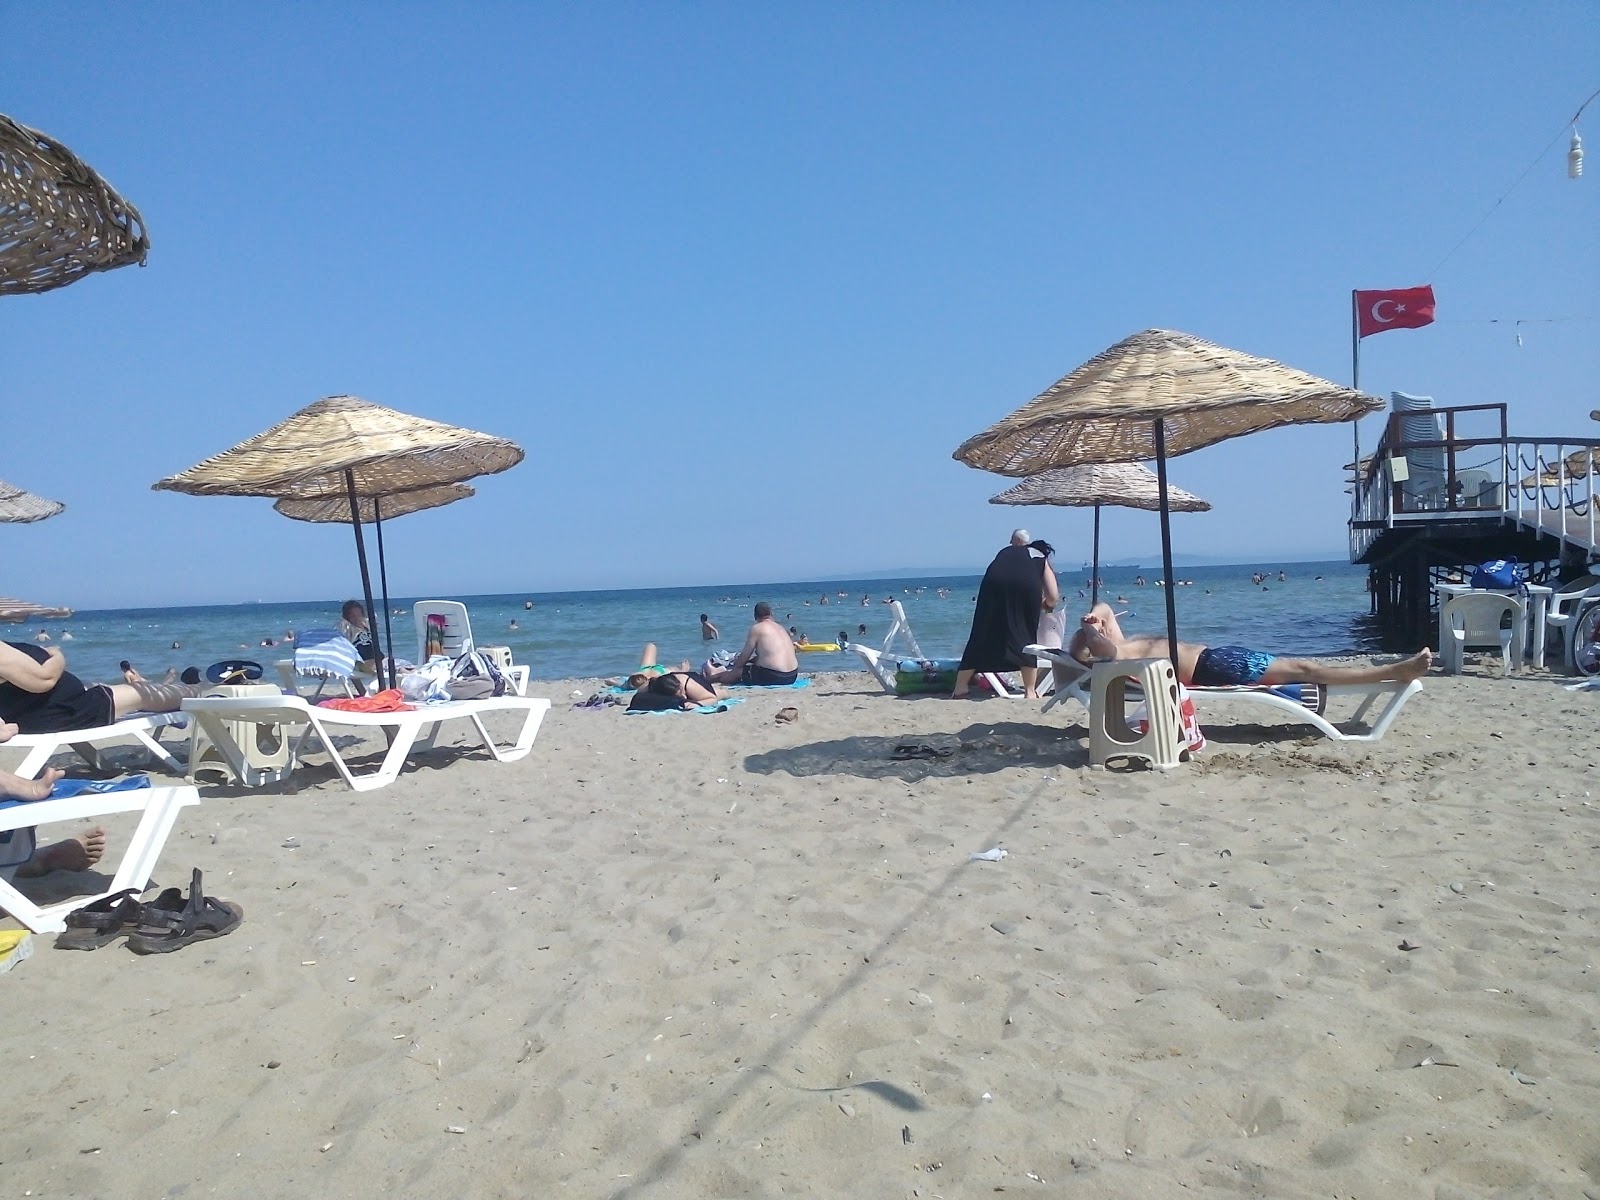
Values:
[(768, 658), (1099, 636)]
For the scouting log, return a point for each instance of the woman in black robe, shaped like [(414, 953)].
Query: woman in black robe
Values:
[(1017, 588)]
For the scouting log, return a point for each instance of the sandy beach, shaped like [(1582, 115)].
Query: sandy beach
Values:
[(693, 956)]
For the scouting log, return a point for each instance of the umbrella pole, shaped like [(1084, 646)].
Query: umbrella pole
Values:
[(1094, 578), (383, 576), (361, 557), (1166, 542)]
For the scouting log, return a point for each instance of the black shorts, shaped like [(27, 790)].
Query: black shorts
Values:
[(756, 675), (70, 705)]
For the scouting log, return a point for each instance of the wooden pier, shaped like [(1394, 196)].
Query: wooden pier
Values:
[(1429, 508)]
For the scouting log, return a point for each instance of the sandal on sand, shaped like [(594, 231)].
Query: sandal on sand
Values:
[(200, 919), (107, 919)]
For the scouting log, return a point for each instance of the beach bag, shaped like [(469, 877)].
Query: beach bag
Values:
[(430, 682), (1193, 739), (474, 667), (1498, 575)]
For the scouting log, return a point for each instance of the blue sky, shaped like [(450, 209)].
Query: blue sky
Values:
[(740, 277)]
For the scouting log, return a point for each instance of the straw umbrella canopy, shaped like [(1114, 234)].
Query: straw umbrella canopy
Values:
[(18, 507), (1126, 485), (59, 221), (346, 446), (374, 510), (1155, 394), (22, 610)]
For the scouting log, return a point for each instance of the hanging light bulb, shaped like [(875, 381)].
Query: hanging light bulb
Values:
[(1575, 157)]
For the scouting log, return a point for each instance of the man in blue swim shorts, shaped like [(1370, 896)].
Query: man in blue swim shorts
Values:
[(1100, 637)]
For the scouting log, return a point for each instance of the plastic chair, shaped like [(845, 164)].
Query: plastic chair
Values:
[(1476, 620)]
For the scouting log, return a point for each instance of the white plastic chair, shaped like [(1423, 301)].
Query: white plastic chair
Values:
[(1565, 605), (1475, 620), (458, 637)]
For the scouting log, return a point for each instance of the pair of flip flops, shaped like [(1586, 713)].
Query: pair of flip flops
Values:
[(169, 922)]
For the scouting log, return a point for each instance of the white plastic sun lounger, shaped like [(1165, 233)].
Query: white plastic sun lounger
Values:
[(1399, 694), (416, 728), (159, 806), (142, 728)]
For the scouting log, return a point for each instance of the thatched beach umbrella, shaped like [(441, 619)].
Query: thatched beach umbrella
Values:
[(349, 447), (18, 507), (1155, 394), (1126, 485), (373, 511), (59, 221), (22, 610)]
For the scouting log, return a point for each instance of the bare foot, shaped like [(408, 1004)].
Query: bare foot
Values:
[(7, 731), (14, 787), (75, 854), (1414, 667)]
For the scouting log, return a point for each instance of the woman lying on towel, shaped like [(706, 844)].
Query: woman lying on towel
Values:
[(39, 695), (649, 668), (675, 689), (1100, 637)]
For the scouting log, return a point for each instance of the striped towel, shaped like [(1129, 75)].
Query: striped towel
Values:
[(325, 650)]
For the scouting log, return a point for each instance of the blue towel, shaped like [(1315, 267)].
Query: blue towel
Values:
[(15, 850), (325, 650), (802, 682), (715, 706)]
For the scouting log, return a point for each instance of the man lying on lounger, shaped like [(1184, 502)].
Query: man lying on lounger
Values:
[(768, 658), (1099, 636), (39, 695)]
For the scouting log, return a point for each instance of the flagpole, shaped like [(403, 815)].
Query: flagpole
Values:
[(1355, 382)]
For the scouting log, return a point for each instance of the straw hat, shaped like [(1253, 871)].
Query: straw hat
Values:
[(19, 507), (384, 452), (1127, 485), (59, 221), (1105, 410), (335, 510)]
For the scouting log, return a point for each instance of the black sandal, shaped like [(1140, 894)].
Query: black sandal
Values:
[(107, 919), (200, 919)]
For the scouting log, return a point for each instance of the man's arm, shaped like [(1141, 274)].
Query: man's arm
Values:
[(749, 651), (29, 674), (1052, 588)]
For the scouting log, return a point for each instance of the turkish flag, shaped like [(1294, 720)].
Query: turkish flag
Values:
[(1399, 308)]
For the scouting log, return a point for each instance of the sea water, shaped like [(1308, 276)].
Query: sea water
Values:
[(1318, 608)]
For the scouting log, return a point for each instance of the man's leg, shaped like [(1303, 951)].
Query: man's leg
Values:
[(1309, 670), (74, 854), (145, 696)]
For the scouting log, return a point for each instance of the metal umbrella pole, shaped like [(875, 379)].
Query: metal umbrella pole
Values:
[(366, 575), (383, 576), (1166, 543), (1094, 578)]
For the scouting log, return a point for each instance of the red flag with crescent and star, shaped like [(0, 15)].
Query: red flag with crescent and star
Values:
[(1398, 308)]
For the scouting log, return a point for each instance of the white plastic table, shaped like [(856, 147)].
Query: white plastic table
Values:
[(1538, 605)]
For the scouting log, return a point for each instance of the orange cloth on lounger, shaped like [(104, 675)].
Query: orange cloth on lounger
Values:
[(388, 700)]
